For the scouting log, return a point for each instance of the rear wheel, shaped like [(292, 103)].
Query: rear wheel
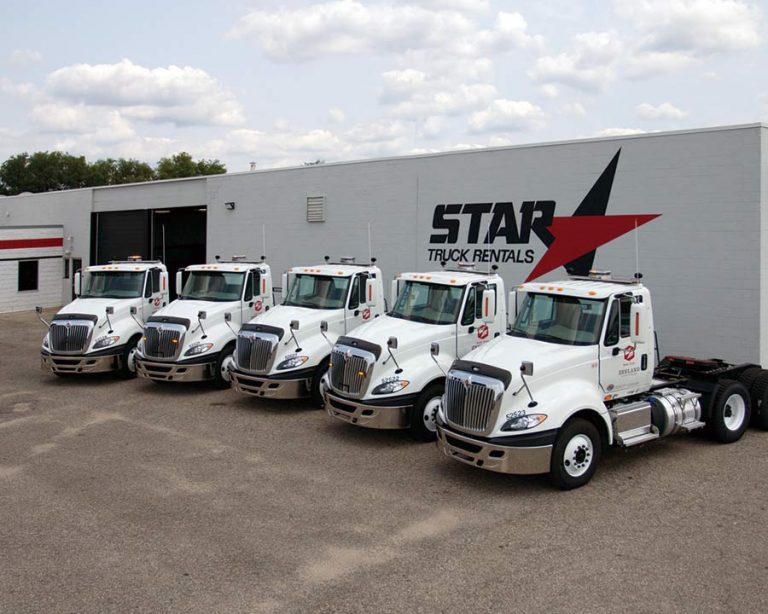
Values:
[(760, 401), (575, 455), (317, 387), (424, 413), (222, 378), (729, 411), (748, 377)]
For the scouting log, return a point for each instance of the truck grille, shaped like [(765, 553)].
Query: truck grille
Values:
[(471, 401), (70, 335), (255, 352), (163, 341), (350, 370)]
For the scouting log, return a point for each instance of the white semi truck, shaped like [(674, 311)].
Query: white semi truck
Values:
[(388, 373), (283, 354), (193, 338), (577, 373), (99, 330)]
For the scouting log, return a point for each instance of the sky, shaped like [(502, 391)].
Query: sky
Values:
[(282, 83)]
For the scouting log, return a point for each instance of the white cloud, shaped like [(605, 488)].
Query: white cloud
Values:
[(99, 124), (507, 115), (25, 57), (620, 132), (695, 26), (350, 26), (574, 109), (336, 116), (665, 110), (550, 91), (184, 96)]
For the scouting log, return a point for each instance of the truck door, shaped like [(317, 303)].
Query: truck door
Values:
[(253, 300), (620, 361), (472, 331), (358, 312), (153, 293)]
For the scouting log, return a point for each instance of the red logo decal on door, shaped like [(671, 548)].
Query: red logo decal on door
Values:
[(482, 332), (629, 353), (366, 313), (257, 306), (157, 302)]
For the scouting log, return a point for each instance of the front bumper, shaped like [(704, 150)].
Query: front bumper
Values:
[(56, 363), (519, 460), (369, 416), (261, 386), (174, 371)]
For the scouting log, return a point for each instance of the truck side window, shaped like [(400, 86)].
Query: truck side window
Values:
[(626, 324), (612, 330), (155, 280), (470, 308), (363, 277), (251, 286), (148, 285), (354, 296)]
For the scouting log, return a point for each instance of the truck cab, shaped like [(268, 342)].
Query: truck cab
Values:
[(99, 330), (390, 373), (193, 338), (576, 373), (283, 353)]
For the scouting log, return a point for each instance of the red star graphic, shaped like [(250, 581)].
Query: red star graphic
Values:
[(579, 235)]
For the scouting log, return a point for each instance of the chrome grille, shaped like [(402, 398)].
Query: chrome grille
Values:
[(350, 370), (70, 336), (255, 351), (163, 341), (471, 401)]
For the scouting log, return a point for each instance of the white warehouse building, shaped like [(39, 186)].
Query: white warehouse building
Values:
[(689, 208)]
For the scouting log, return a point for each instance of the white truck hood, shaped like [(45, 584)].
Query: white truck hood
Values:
[(98, 307), (309, 319), (190, 308), (410, 335)]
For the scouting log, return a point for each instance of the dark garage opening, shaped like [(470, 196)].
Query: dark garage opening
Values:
[(176, 236)]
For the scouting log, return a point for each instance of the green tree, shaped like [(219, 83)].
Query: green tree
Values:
[(42, 171), (114, 172), (182, 165)]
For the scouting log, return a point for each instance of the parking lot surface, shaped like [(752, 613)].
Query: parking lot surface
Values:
[(133, 496)]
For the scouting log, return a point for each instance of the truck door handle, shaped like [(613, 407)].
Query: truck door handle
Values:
[(357, 312), (149, 300), (471, 329), (616, 351), (250, 304)]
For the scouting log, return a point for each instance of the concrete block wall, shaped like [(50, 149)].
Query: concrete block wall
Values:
[(48, 294)]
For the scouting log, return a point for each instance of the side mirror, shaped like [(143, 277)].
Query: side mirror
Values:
[(392, 343), (638, 324), (110, 310), (434, 349), (163, 282), (393, 293), (202, 315), (284, 283), (324, 326), (489, 306), (179, 287), (228, 317), (526, 368), (77, 289), (38, 310), (370, 292), (134, 311), (294, 325)]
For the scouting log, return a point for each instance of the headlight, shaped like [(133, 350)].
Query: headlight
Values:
[(45, 341), (105, 342), (390, 385), (198, 348), (523, 422), (292, 362)]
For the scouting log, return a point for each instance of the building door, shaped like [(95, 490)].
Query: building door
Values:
[(179, 238)]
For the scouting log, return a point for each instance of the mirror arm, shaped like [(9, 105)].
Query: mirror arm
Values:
[(39, 312), (528, 390)]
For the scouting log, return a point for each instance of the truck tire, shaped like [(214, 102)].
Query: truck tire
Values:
[(316, 386), (760, 402), (127, 368), (575, 455), (221, 376), (424, 411), (729, 411), (748, 377)]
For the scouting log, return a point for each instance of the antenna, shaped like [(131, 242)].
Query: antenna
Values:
[(488, 244), (370, 253), (637, 255), (264, 240)]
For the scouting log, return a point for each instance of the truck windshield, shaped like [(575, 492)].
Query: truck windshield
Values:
[(566, 320), (428, 303), (213, 286), (317, 292), (113, 284)]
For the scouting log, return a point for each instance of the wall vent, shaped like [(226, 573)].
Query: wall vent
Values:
[(315, 208)]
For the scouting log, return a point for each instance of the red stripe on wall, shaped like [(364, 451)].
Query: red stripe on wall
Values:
[(30, 243)]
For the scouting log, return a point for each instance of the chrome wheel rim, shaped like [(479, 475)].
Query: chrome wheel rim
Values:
[(734, 412), (226, 365), (130, 360), (430, 414)]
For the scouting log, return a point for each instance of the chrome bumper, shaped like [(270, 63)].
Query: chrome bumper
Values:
[(502, 459), (173, 372), (260, 386), (369, 416), (52, 363)]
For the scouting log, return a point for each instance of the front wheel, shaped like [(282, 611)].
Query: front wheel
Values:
[(128, 360), (575, 455), (424, 413), (316, 386), (729, 412), (222, 378)]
